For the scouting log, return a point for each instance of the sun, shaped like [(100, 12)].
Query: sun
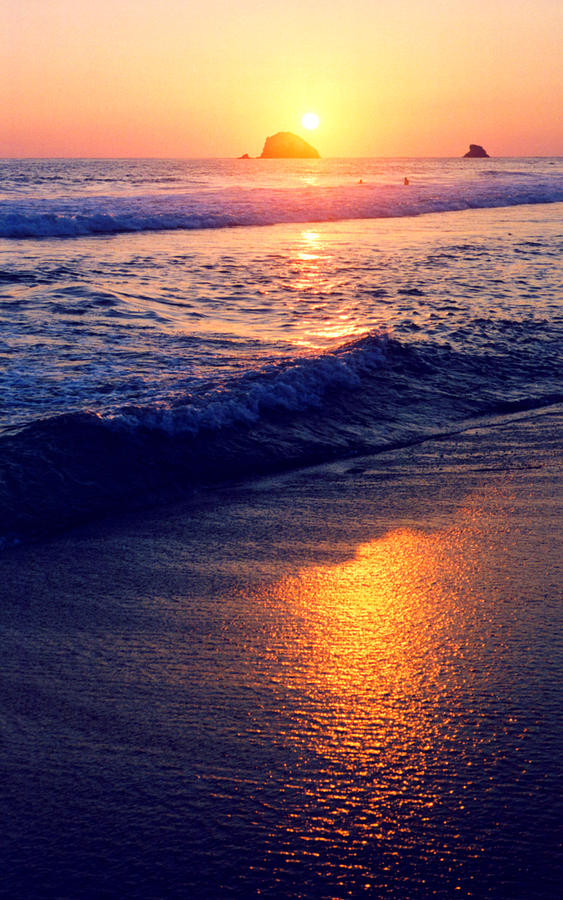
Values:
[(310, 120)]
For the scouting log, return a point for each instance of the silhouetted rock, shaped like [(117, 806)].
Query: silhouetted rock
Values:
[(285, 145), (244, 156), (475, 150)]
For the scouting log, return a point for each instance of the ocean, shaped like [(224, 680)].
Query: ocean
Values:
[(280, 529), (171, 323)]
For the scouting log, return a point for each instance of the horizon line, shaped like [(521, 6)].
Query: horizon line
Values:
[(266, 160)]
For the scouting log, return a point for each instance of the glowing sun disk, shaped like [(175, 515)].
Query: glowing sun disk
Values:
[(310, 120)]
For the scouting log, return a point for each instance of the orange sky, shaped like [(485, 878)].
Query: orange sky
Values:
[(214, 77)]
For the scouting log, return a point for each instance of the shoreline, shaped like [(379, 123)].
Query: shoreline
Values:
[(61, 466), (424, 453), (313, 661)]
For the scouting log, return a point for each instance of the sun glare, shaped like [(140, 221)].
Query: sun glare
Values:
[(310, 120)]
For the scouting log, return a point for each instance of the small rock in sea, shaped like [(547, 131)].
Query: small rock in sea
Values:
[(475, 150)]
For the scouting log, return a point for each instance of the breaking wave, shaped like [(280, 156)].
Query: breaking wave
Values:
[(231, 207), (365, 397)]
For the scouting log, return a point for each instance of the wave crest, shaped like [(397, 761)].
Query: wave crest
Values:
[(264, 206), (365, 397)]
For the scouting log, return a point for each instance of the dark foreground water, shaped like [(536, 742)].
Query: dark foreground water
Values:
[(342, 682)]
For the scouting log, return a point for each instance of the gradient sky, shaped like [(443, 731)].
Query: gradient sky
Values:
[(213, 77)]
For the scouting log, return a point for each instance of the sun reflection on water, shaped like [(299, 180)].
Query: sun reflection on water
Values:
[(320, 298), (371, 678), (374, 622)]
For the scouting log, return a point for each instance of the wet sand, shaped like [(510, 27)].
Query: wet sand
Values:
[(340, 681)]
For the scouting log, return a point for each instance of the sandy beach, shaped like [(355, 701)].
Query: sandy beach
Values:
[(334, 682)]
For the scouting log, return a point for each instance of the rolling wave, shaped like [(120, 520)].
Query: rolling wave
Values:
[(365, 397), (264, 206)]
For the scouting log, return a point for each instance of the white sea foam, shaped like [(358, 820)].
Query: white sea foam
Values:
[(147, 362), (79, 215), (285, 388)]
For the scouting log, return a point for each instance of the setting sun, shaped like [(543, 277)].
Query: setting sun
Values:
[(310, 120)]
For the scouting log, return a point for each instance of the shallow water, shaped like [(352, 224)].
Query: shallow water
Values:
[(162, 317), (146, 319), (336, 684), (210, 354)]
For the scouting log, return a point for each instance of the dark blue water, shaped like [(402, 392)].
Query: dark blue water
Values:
[(282, 682), (340, 683), (136, 367)]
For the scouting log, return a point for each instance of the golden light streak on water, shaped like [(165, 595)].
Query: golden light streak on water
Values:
[(373, 664), (374, 629), (312, 282)]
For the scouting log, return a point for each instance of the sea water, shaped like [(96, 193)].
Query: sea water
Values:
[(197, 320), (339, 682)]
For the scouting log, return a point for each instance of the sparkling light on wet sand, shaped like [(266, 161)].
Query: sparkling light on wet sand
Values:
[(338, 682)]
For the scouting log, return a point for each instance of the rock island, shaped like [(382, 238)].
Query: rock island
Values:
[(285, 145), (475, 150)]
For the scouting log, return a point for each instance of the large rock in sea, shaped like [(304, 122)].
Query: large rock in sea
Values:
[(476, 151), (285, 145)]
